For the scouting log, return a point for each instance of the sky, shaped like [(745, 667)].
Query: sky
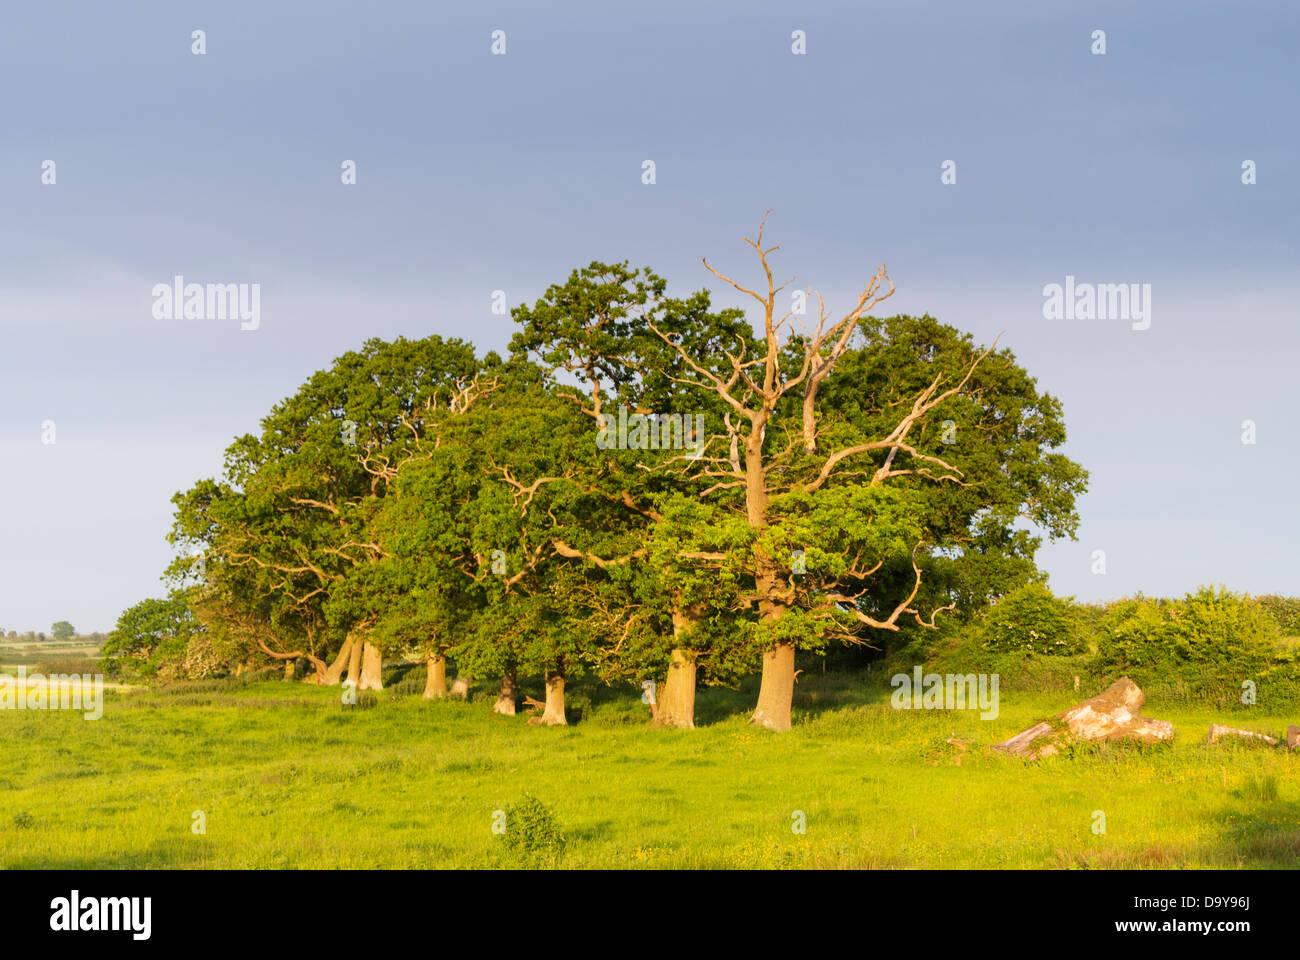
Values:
[(478, 172)]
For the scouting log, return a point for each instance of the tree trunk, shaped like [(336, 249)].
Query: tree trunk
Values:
[(506, 698), (332, 676), (435, 688), (372, 668), (676, 707), (777, 688), (289, 666), (553, 715), (460, 686), (354, 664)]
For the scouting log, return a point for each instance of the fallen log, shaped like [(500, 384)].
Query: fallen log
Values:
[(1217, 732), (1114, 714)]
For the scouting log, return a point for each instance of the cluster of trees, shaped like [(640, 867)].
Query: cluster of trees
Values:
[(61, 630), (643, 488)]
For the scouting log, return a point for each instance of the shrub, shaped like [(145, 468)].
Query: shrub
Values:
[(1285, 612), (531, 831), (1031, 620), (1203, 647), (1052, 673), (1211, 627)]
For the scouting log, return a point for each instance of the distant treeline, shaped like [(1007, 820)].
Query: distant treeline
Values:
[(62, 632)]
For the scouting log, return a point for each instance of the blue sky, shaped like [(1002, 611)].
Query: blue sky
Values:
[(479, 172)]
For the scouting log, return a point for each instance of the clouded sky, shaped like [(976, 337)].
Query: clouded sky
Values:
[(478, 172)]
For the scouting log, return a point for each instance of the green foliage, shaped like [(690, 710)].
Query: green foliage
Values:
[(431, 502), (150, 639), (280, 543), (63, 631), (1207, 648), (1285, 612), (531, 832), (1031, 619), (1211, 628), (1263, 789), (1001, 432)]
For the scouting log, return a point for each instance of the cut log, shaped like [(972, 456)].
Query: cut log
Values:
[(1218, 732), (1293, 737), (1114, 714)]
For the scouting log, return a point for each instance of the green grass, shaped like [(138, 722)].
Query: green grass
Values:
[(287, 777)]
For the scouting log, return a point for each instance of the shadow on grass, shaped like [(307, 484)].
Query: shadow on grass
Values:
[(815, 693), (161, 855), (1265, 834)]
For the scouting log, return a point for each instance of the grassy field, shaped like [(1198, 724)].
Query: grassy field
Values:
[(14, 654), (287, 777)]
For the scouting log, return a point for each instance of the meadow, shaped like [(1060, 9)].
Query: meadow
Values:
[(15, 654), (286, 776)]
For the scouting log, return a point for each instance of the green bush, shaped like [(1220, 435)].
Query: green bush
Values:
[(1023, 672), (1285, 612), (1031, 620), (531, 832), (1209, 647), (1213, 628)]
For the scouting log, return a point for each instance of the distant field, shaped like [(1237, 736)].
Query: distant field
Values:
[(21, 653), (286, 777)]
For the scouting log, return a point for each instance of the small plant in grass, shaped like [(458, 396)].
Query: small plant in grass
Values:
[(364, 701), (24, 820), (531, 834), (1260, 788)]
